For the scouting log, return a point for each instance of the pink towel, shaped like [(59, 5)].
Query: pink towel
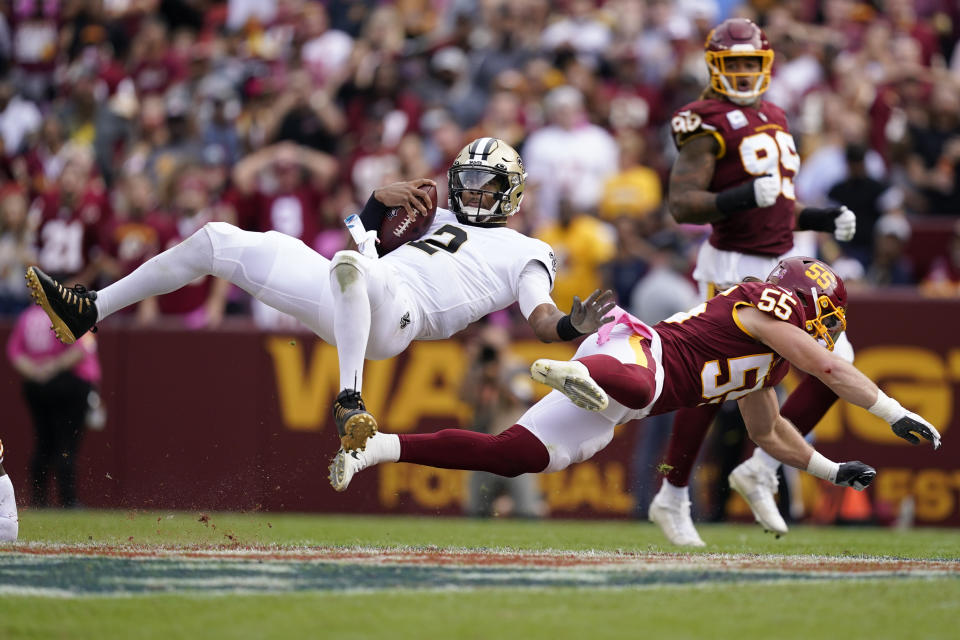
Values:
[(620, 316)]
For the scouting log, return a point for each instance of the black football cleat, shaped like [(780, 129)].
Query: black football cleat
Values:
[(354, 424), (71, 311)]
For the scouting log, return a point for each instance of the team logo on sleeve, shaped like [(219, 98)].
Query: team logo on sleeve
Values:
[(686, 122)]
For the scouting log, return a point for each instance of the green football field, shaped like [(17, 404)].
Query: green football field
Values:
[(116, 574)]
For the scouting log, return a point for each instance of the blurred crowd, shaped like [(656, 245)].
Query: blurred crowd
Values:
[(125, 125)]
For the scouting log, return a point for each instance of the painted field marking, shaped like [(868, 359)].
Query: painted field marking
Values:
[(96, 570)]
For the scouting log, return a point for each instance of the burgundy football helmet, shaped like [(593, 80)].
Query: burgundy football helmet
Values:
[(821, 292), (733, 39)]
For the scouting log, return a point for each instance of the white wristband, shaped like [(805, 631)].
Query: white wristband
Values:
[(887, 408), (822, 468)]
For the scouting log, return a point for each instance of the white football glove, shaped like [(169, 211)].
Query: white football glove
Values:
[(766, 190), (846, 225)]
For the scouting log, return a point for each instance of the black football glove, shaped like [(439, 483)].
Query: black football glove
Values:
[(911, 423), (855, 474)]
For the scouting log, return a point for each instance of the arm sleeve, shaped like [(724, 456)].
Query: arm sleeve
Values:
[(534, 287), (373, 214)]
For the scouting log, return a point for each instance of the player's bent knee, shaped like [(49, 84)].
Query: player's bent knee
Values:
[(518, 452), (347, 267)]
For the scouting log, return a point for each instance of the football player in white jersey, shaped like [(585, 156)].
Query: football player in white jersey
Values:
[(468, 264)]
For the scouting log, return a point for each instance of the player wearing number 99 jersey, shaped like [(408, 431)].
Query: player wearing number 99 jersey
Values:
[(735, 170)]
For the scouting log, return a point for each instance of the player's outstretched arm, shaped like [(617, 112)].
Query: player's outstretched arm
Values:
[(775, 435), (840, 221), (552, 325), (843, 378)]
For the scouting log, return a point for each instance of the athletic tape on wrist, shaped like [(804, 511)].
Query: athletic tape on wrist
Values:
[(822, 468), (887, 408)]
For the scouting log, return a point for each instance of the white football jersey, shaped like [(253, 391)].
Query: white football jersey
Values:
[(460, 273)]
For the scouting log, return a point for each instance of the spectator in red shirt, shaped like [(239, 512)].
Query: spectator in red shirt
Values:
[(283, 186), (71, 213)]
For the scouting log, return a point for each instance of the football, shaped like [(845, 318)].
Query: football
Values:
[(399, 227)]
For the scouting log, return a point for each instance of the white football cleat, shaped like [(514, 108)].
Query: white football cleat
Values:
[(573, 380), (673, 518), (346, 464), (757, 483)]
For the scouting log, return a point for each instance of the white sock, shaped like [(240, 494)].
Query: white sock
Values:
[(762, 457), (166, 272), (8, 510), (387, 447), (674, 493), (351, 322)]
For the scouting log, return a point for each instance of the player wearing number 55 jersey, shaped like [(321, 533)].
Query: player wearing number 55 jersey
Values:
[(735, 170), (735, 346), (469, 265)]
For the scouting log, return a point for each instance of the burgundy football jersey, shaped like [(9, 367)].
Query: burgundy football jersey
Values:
[(754, 141), (708, 358), (69, 234)]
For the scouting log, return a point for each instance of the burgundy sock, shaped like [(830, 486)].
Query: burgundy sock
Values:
[(511, 453), (808, 403), (629, 384), (690, 428)]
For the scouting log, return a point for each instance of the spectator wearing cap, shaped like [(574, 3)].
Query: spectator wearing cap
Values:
[(890, 266), (451, 87), (570, 157), (866, 195)]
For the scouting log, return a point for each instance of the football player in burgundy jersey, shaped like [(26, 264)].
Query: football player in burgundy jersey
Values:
[(735, 346), (735, 169)]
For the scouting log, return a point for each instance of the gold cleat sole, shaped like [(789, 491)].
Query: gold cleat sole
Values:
[(337, 473), (61, 330), (357, 431)]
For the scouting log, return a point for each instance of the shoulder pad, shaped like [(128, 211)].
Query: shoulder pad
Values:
[(780, 303)]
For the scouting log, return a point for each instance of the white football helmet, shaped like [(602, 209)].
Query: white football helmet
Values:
[(486, 182)]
